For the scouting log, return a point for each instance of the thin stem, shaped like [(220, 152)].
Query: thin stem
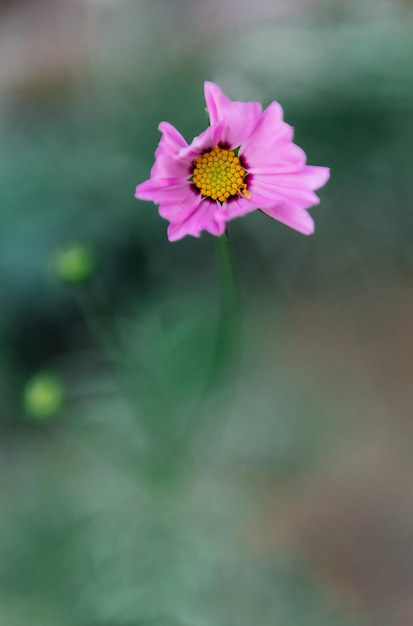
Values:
[(226, 340), (229, 317)]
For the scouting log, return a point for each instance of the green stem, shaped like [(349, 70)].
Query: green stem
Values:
[(226, 342), (229, 316)]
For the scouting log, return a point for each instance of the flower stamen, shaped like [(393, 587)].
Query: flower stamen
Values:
[(219, 175)]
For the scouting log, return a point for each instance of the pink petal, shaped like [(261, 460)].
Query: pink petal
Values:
[(240, 206), (202, 218), (315, 176), (284, 159), (167, 162), (310, 176), (210, 138), (240, 117), (179, 205), (271, 193), (271, 141), (154, 189), (167, 166), (172, 137), (292, 216)]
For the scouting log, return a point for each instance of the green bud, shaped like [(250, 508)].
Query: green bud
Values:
[(74, 265), (43, 395)]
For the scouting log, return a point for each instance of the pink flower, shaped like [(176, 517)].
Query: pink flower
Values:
[(245, 160)]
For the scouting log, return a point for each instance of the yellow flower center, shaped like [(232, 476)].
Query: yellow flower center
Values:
[(219, 175)]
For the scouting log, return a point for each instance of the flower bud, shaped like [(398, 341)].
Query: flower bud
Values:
[(74, 265), (43, 396)]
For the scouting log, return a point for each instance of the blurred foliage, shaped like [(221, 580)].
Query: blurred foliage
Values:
[(83, 539)]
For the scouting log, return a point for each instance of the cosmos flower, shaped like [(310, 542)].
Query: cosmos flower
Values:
[(244, 161)]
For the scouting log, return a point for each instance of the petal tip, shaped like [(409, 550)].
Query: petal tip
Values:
[(309, 230), (323, 176)]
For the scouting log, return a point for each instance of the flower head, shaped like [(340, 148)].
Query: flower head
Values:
[(244, 161)]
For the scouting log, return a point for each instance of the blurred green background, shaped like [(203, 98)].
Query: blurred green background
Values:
[(290, 503)]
